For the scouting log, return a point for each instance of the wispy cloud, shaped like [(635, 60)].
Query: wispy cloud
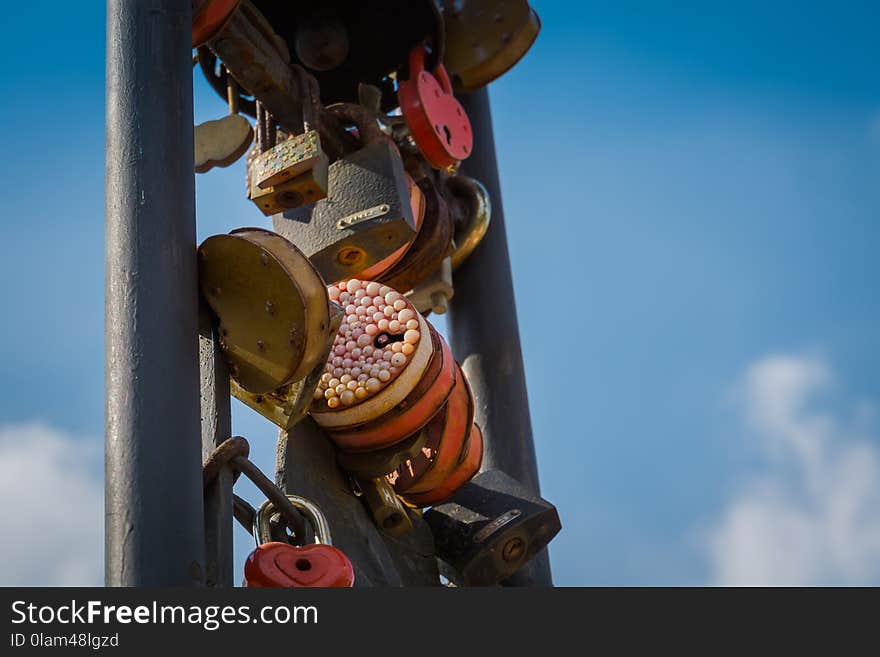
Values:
[(812, 514), (51, 508)]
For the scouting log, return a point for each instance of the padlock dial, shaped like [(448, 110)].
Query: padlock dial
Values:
[(376, 344)]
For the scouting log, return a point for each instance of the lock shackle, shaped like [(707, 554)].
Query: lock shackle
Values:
[(312, 512), (360, 117), (417, 65), (479, 215)]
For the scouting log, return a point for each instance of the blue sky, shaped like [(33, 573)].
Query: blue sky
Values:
[(692, 197)]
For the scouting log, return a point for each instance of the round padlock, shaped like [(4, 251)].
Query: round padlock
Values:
[(209, 17), (469, 465), (277, 564), (437, 122), (447, 433), (272, 305)]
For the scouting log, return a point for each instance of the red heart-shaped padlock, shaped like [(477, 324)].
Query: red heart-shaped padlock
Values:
[(284, 565), (437, 121)]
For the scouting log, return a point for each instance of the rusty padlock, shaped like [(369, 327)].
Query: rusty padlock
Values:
[(294, 171), (368, 214), (437, 122), (486, 38), (277, 564), (276, 322)]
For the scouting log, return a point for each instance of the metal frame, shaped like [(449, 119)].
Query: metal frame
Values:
[(154, 529)]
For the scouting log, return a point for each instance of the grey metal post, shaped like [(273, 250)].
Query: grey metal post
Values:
[(485, 335), (154, 517)]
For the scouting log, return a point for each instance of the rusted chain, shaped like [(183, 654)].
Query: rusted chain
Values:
[(234, 453)]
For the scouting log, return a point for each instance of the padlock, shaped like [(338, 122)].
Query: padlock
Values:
[(209, 17), (486, 38), (448, 432), (349, 42), (378, 463), (471, 208), (424, 257), (417, 204), (221, 142), (388, 512), (437, 122), (389, 372), (490, 528), (294, 171), (469, 462), (367, 215), (280, 564), (276, 323)]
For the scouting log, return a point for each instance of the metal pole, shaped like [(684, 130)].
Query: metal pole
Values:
[(154, 517), (485, 335)]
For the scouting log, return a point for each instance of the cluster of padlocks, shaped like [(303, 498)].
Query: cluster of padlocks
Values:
[(354, 156)]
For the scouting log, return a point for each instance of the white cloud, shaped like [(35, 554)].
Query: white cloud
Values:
[(51, 508), (812, 516)]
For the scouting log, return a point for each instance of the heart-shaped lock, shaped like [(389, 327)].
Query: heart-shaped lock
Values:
[(283, 565), (437, 121), (277, 564)]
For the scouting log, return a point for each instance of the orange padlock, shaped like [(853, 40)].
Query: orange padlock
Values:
[(469, 465), (437, 122), (447, 433)]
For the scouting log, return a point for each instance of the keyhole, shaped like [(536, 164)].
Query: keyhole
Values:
[(384, 339), (303, 564), (448, 133)]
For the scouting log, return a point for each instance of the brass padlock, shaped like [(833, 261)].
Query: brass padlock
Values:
[(276, 322), (295, 171), (486, 38), (389, 513), (367, 215)]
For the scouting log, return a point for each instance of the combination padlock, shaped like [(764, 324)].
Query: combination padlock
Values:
[(485, 39), (490, 528), (277, 325), (280, 564), (368, 213), (437, 122), (294, 171)]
